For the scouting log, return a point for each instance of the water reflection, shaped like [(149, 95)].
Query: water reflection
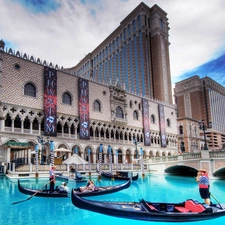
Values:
[(61, 211)]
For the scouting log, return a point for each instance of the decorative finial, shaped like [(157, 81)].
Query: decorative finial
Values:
[(2, 45)]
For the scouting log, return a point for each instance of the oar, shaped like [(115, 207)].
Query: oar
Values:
[(57, 176), (33, 194), (216, 200)]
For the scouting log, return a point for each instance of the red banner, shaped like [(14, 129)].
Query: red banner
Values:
[(83, 95), (50, 102)]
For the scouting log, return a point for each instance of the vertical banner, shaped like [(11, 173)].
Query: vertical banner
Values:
[(36, 157), (117, 152), (100, 159), (146, 123), (110, 159), (89, 159), (162, 125), (83, 99), (50, 102)]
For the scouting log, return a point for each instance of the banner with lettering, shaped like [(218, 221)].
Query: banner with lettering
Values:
[(83, 99), (162, 125), (146, 122), (50, 102)]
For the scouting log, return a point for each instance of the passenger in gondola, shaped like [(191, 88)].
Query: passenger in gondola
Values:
[(72, 169), (89, 187), (63, 187)]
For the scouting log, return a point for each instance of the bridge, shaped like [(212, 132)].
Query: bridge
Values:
[(186, 164), (189, 163)]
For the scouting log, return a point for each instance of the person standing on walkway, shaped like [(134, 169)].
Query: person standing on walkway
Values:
[(203, 183), (52, 178)]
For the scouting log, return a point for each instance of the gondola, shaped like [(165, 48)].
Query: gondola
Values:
[(118, 176), (41, 193), (100, 190), (67, 178), (187, 211)]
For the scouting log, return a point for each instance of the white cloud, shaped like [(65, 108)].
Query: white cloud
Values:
[(64, 36)]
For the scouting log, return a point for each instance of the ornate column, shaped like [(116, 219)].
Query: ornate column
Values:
[(69, 126), (75, 127), (123, 158), (12, 127), (8, 155), (31, 126)]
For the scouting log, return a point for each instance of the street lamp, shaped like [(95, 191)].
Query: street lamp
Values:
[(204, 128), (135, 143), (42, 142)]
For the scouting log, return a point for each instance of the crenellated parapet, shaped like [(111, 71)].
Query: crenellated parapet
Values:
[(33, 59)]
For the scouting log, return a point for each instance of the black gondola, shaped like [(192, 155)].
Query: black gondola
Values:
[(118, 176), (41, 193), (67, 178), (187, 211), (100, 190)]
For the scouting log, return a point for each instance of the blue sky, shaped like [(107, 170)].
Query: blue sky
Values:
[(64, 31)]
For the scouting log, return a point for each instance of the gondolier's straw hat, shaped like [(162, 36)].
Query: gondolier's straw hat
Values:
[(202, 170)]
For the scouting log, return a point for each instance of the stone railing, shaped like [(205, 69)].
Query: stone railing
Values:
[(217, 154)]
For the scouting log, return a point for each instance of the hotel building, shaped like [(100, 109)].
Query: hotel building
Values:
[(201, 106), (119, 95)]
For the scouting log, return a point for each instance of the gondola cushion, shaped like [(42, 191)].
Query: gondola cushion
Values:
[(193, 207), (181, 209), (190, 206)]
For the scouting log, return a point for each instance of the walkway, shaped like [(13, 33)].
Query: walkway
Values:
[(186, 164)]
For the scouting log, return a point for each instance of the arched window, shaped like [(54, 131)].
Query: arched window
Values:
[(124, 34), (135, 115), (168, 123), (181, 129), (139, 21), (131, 103), (119, 112), (134, 25), (152, 119), (129, 30), (30, 90), (67, 99), (113, 45), (117, 42), (97, 106), (161, 24), (139, 106)]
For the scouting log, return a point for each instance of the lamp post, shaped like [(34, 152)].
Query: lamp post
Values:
[(204, 128), (142, 166), (135, 143), (89, 161), (42, 142), (36, 159), (117, 152), (100, 162), (110, 161)]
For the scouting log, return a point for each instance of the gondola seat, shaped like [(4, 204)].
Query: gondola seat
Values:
[(190, 206)]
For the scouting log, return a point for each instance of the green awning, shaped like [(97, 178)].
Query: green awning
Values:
[(13, 144)]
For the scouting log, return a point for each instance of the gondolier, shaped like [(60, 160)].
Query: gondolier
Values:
[(52, 178), (203, 183)]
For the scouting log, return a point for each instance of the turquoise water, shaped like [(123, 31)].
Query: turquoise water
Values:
[(57, 211)]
